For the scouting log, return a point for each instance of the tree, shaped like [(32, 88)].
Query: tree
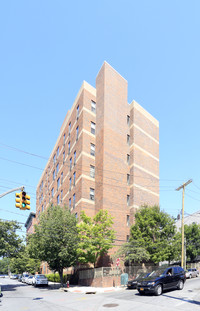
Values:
[(10, 242), (192, 235), (154, 236), (23, 263), (55, 239), (96, 236), (4, 265)]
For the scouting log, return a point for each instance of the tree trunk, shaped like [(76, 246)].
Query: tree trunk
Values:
[(60, 271)]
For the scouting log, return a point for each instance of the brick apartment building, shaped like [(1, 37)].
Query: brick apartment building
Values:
[(106, 156)]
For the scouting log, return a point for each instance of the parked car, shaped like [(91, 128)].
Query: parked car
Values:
[(24, 278), (192, 273), (39, 279), (20, 278), (132, 284), (29, 280), (13, 276), (162, 279)]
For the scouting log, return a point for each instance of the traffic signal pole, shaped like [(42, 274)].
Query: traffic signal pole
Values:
[(12, 190)]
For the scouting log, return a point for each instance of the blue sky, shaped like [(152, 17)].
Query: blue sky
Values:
[(49, 47)]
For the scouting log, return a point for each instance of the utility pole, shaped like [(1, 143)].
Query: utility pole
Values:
[(183, 260)]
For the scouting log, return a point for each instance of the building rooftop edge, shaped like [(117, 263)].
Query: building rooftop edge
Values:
[(31, 215), (85, 86), (134, 104), (105, 62)]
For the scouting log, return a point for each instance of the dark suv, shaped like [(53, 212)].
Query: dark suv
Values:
[(162, 279)]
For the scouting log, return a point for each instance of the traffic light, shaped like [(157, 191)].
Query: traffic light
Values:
[(22, 200), (28, 201), (23, 193), (18, 200)]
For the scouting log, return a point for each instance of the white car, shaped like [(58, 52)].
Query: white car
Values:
[(29, 280), (39, 279), (24, 278)]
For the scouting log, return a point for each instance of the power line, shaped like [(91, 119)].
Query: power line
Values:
[(38, 168)]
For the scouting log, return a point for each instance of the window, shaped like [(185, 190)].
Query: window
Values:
[(54, 159), (127, 238), (92, 171), (58, 199), (92, 149), (128, 199), (57, 168), (76, 215), (57, 152), (42, 208), (77, 112), (93, 106), (52, 192), (70, 184), (69, 128), (92, 194), (128, 220), (61, 195), (128, 179), (93, 126), (77, 132), (64, 139), (128, 120), (69, 147), (70, 164), (61, 178), (58, 183), (128, 140), (74, 157), (74, 178), (74, 200), (54, 175), (70, 203), (63, 157), (128, 158)]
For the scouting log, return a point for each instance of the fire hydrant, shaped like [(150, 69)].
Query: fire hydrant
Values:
[(67, 284)]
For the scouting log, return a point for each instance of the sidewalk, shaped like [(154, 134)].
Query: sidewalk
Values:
[(85, 289)]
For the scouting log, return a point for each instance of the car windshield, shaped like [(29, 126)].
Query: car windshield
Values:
[(41, 276), (30, 277), (156, 273), (141, 275), (189, 269), (26, 276)]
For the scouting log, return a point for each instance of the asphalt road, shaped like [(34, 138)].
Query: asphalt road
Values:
[(21, 297)]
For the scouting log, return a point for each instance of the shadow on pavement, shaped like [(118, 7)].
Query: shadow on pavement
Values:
[(184, 300), (10, 287)]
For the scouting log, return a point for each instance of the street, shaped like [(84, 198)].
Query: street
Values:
[(22, 297)]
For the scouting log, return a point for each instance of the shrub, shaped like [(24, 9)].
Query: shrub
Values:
[(54, 277)]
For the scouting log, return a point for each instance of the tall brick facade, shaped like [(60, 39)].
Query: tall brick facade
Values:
[(106, 156)]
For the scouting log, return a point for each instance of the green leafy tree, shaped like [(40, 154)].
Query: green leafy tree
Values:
[(4, 265), (55, 239), (132, 251), (96, 236), (23, 263), (10, 242), (154, 236), (192, 235)]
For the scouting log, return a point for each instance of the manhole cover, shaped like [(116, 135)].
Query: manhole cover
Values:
[(111, 305)]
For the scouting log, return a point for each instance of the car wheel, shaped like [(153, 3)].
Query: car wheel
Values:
[(190, 276), (180, 285), (158, 290), (35, 284)]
